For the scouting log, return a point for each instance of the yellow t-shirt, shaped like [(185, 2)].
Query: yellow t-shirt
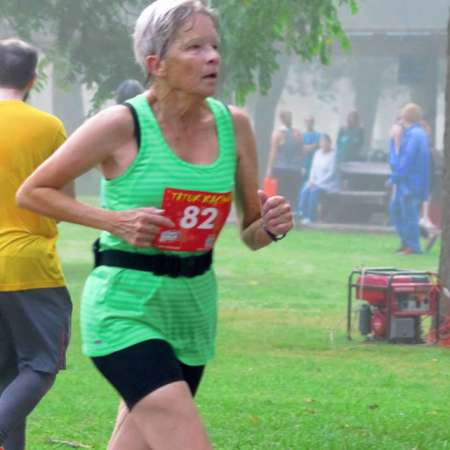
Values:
[(28, 257)]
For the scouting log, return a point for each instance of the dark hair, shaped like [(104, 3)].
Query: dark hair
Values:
[(128, 89), (286, 118), (18, 61), (326, 137)]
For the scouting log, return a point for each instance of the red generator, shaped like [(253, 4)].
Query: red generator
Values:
[(395, 303)]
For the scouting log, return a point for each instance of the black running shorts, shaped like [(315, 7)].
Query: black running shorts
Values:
[(139, 370)]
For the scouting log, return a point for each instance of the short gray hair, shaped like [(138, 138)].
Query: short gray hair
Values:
[(159, 23)]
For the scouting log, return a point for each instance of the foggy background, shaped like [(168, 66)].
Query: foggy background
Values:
[(397, 55)]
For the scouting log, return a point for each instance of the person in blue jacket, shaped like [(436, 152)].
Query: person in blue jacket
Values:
[(410, 178)]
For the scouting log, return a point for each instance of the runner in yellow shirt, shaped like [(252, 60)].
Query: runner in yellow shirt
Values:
[(35, 307)]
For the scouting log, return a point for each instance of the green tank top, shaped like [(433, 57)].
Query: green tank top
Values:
[(122, 307)]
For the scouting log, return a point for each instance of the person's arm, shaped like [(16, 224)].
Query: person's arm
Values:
[(69, 189), (313, 174), (308, 148), (97, 142), (61, 137), (396, 135), (256, 212), (426, 171), (299, 138), (274, 144), (407, 158), (393, 162)]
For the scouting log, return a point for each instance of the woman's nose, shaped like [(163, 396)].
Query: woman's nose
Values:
[(213, 55)]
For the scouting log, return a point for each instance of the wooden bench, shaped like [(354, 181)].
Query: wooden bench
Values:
[(357, 206)]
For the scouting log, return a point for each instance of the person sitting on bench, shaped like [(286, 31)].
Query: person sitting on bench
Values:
[(321, 179)]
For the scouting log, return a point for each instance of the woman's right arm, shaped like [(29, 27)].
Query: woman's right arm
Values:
[(97, 142)]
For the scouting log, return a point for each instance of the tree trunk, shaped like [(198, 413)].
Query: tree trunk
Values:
[(265, 113), (425, 92), (444, 266), (367, 82)]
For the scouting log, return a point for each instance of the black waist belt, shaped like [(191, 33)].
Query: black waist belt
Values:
[(170, 265)]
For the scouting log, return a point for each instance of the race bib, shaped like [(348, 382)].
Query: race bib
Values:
[(198, 217)]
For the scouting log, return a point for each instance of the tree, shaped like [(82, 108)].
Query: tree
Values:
[(256, 32), (258, 35), (444, 267), (91, 40), (86, 41)]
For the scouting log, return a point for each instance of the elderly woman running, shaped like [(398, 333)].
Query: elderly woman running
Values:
[(171, 159)]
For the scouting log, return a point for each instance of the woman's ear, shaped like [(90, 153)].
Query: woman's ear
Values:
[(155, 66)]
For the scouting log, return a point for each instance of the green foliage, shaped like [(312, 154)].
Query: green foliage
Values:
[(90, 40), (254, 32)]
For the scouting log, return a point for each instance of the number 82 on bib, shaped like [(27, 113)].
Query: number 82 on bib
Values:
[(199, 217)]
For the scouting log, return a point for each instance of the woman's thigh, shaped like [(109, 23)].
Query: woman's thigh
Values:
[(140, 374), (168, 419)]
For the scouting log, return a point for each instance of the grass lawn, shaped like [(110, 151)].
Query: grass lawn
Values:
[(285, 377)]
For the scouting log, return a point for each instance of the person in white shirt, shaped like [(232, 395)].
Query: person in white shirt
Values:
[(322, 179)]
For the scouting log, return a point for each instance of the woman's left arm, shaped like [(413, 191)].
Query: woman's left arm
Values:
[(261, 218)]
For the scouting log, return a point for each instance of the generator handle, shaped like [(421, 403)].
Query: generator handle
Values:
[(349, 303), (438, 317)]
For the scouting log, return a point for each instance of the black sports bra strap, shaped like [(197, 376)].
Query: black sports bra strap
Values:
[(137, 129)]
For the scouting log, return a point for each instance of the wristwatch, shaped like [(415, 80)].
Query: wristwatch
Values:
[(272, 236)]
